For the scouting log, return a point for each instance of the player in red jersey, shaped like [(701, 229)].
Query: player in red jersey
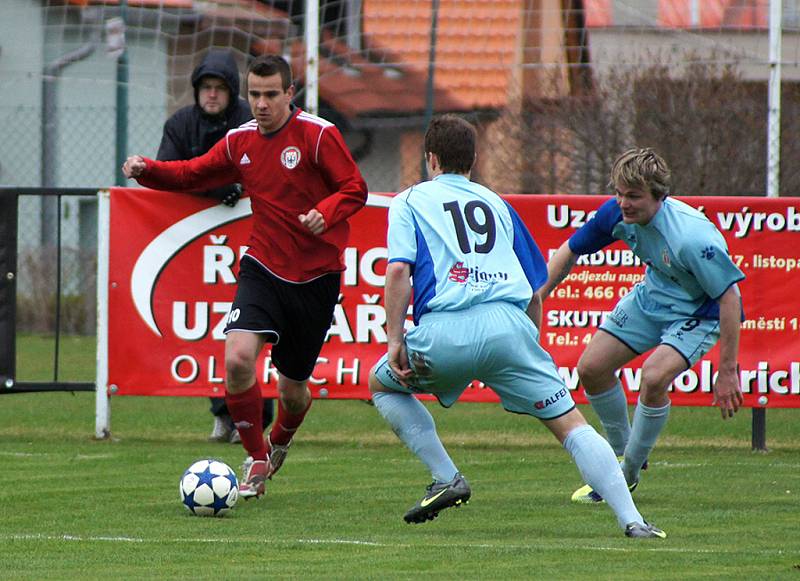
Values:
[(303, 185)]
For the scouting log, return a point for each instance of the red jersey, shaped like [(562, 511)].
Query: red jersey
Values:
[(303, 165)]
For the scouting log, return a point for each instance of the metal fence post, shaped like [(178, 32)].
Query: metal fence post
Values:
[(8, 289), (102, 416), (759, 435)]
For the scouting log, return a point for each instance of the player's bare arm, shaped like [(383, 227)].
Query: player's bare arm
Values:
[(313, 220), (398, 297), (558, 267), (534, 310), (134, 166), (727, 391)]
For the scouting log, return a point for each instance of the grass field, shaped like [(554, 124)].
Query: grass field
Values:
[(72, 507)]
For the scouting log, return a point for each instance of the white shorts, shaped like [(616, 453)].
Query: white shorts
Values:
[(495, 343), (643, 324)]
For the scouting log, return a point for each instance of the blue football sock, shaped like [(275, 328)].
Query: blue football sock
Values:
[(647, 425), (414, 425), (612, 408), (600, 469)]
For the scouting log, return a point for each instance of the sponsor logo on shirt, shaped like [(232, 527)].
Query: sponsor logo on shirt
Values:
[(708, 252), (245, 160), (548, 401), (290, 157), (463, 275), (618, 317), (665, 257), (459, 273)]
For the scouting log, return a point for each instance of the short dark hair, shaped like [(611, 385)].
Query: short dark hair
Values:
[(453, 140), (268, 64)]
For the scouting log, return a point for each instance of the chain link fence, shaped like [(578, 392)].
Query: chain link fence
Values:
[(547, 125)]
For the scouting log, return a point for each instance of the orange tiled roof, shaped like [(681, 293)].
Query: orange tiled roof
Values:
[(367, 89), (475, 46)]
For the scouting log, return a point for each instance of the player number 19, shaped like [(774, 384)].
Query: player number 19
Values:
[(482, 225)]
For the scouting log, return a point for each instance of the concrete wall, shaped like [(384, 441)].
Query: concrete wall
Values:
[(610, 47)]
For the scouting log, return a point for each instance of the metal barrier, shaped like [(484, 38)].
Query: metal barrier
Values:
[(50, 218), (9, 277)]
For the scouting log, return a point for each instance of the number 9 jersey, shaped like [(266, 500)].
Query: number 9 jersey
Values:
[(465, 244)]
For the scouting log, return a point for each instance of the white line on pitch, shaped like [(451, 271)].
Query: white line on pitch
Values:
[(635, 547)]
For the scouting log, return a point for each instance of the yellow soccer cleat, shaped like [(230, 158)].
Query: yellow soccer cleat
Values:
[(586, 495)]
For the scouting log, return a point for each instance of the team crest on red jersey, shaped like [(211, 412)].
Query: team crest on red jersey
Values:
[(290, 157)]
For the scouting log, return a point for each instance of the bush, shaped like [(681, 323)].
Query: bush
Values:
[(705, 119), (37, 285)]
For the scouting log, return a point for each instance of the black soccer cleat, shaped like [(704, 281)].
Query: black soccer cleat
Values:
[(439, 496), (644, 530)]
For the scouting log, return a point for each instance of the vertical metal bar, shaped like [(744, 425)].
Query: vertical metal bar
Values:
[(58, 290), (8, 289), (353, 32), (430, 87), (774, 104), (122, 102), (694, 11), (312, 56), (759, 438), (102, 409)]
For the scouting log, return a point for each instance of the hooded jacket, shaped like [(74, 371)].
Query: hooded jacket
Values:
[(190, 131)]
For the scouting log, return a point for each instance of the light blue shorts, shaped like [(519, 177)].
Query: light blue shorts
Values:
[(495, 343), (642, 324)]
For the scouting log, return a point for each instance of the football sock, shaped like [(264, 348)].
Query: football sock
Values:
[(647, 425), (246, 410), (414, 425), (600, 469), (612, 408), (286, 424)]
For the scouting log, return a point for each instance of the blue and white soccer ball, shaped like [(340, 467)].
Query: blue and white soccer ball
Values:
[(209, 488)]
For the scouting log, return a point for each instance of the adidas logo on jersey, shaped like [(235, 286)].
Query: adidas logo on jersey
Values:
[(245, 160)]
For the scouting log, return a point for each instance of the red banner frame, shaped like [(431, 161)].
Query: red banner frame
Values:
[(174, 257)]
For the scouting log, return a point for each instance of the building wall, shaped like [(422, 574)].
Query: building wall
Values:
[(612, 47), (21, 57), (83, 126), (381, 166)]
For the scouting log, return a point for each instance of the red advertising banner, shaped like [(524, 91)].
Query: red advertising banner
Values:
[(174, 260)]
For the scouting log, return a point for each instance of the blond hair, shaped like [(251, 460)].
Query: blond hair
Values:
[(642, 168)]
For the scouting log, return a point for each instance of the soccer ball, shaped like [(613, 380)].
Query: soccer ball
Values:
[(209, 488)]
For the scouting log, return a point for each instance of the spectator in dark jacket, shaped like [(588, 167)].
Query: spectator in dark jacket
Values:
[(192, 131)]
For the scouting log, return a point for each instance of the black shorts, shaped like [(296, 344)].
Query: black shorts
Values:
[(294, 317)]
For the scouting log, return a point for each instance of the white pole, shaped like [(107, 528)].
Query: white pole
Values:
[(102, 409), (774, 105), (312, 56), (694, 10)]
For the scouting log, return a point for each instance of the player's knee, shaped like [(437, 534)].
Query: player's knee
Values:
[(591, 372), (374, 384), (654, 388), (654, 392), (239, 366)]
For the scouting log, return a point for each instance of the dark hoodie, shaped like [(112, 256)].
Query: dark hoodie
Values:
[(190, 131)]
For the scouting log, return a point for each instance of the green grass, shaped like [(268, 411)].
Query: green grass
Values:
[(72, 507), (36, 358), (76, 508)]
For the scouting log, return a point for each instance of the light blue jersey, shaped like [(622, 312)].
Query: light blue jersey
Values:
[(475, 268), (465, 245), (688, 266)]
